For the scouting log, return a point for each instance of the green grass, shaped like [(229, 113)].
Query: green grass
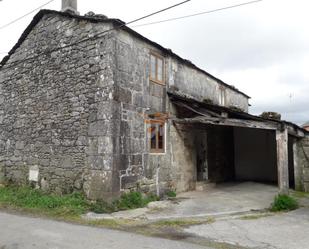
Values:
[(255, 216), (171, 194), (183, 222), (284, 203), (75, 204), (133, 200), (36, 200), (127, 201), (298, 194)]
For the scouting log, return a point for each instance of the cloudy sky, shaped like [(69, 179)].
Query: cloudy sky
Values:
[(261, 48)]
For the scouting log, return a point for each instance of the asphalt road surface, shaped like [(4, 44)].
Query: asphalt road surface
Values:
[(19, 232)]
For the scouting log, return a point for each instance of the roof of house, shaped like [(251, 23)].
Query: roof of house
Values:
[(120, 24), (233, 113)]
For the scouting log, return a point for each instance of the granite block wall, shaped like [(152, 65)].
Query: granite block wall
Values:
[(301, 164), (56, 109), (77, 118)]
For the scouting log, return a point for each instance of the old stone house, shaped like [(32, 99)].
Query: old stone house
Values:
[(87, 103)]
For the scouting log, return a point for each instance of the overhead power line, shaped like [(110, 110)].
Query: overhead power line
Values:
[(197, 14), (172, 19), (157, 12), (99, 35), (96, 36), (21, 17)]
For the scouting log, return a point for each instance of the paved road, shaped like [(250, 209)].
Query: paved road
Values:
[(19, 232), (281, 231)]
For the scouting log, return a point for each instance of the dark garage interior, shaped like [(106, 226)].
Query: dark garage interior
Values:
[(239, 154)]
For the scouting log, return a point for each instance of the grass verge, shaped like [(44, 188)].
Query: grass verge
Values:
[(181, 223), (255, 216), (298, 194), (36, 201), (71, 205)]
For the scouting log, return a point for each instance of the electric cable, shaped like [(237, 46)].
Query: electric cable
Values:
[(96, 36), (197, 14), (99, 35), (21, 17)]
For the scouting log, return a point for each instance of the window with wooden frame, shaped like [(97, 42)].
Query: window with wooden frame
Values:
[(157, 68), (157, 137)]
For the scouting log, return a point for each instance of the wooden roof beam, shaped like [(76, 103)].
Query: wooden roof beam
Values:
[(229, 122)]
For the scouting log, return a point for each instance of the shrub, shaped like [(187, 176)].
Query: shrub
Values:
[(101, 207), (133, 200), (171, 194), (283, 203)]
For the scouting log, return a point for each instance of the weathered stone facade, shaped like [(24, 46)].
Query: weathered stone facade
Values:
[(56, 109), (301, 162), (78, 117), (137, 96)]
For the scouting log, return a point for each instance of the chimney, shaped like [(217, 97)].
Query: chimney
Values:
[(70, 6)]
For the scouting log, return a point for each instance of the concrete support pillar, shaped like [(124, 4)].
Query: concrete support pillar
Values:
[(282, 160), (297, 168)]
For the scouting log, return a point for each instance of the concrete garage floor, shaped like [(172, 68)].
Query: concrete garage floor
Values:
[(223, 199), (216, 213)]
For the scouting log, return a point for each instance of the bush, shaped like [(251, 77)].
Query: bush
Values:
[(283, 203), (171, 194), (133, 200), (101, 207)]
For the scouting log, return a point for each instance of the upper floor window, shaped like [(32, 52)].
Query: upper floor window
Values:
[(221, 96), (157, 68)]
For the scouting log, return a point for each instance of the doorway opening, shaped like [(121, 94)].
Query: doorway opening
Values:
[(229, 154)]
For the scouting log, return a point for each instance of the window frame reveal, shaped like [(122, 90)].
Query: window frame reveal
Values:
[(155, 59), (159, 139)]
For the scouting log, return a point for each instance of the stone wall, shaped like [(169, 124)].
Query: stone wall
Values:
[(189, 81), (183, 163), (77, 118), (301, 164), (56, 110), (136, 97)]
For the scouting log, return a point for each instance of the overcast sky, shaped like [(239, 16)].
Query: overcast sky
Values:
[(262, 48)]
